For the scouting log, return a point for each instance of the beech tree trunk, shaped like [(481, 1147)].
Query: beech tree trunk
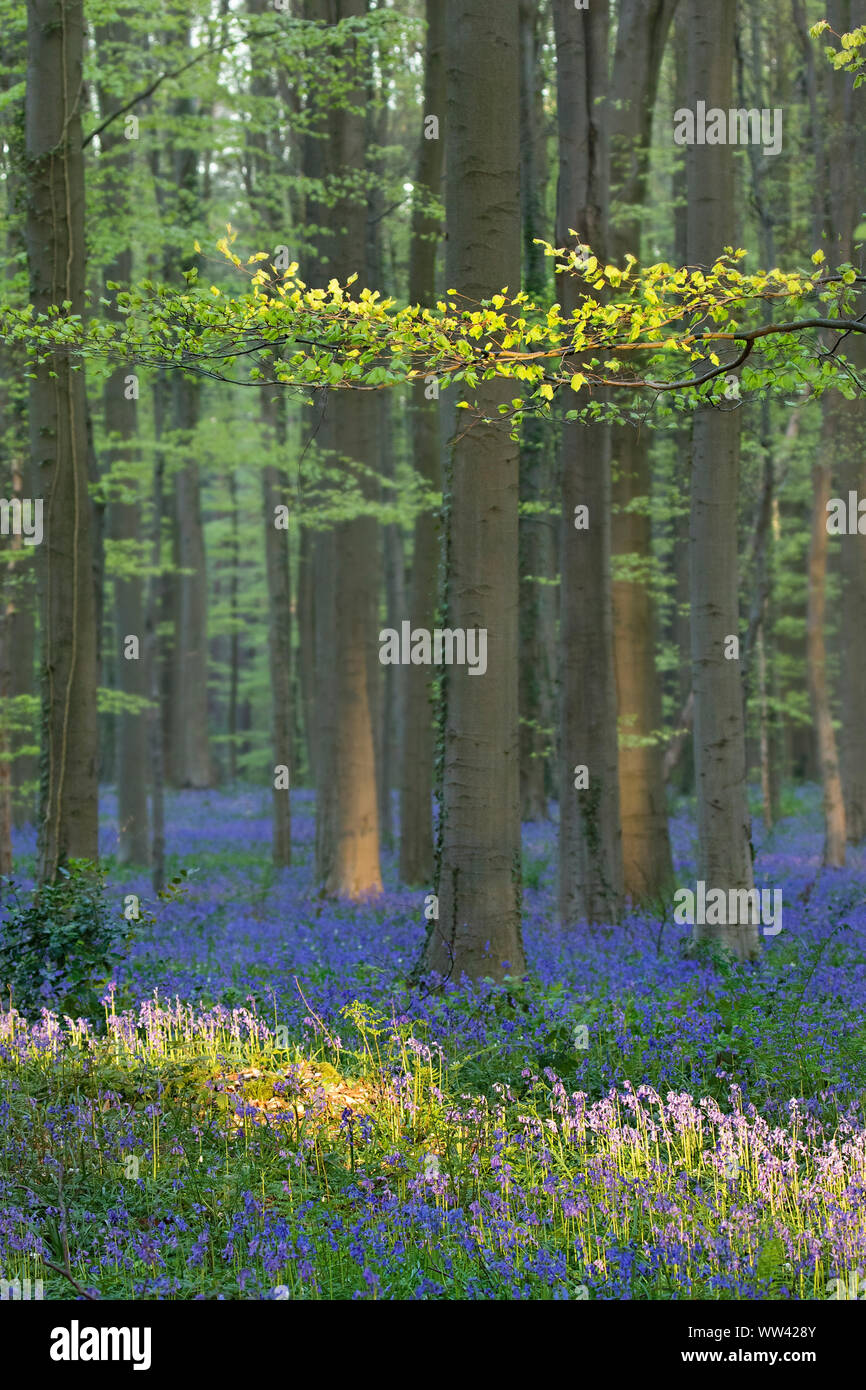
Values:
[(190, 753), (275, 493), (846, 163), (68, 803), (307, 648), (416, 770), (646, 849), (725, 859), (125, 523), (348, 823), (189, 750), (264, 190), (537, 568), (590, 840), (155, 742), (120, 410), (816, 657), (478, 929)]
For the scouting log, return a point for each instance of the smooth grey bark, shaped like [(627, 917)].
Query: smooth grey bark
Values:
[(478, 930), (590, 841), (725, 859), (68, 803)]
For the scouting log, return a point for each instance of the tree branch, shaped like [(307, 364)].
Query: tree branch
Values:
[(175, 72)]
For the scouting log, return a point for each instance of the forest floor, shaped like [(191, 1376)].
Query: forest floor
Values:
[(269, 1111)]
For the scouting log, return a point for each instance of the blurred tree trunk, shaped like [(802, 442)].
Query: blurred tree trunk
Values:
[(189, 763), (346, 560), (386, 682), (153, 607), (537, 591), (68, 804), (590, 839), (274, 494), (416, 770), (234, 634), (120, 412), (17, 578), (646, 848), (307, 647), (846, 163), (816, 651)]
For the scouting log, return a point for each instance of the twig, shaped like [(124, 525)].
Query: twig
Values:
[(66, 1275)]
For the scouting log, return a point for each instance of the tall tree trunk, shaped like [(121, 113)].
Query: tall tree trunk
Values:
[(679, 756), (846, 162), (307, 647), (190, 751), (189, 762), (348, 824), (68, 806), (816, 655), (274, 494), (537, 604), (590, 840), (155, 741), (393, 696), (120, 412), (725, 859), (478, 930), (131, 760), (264, 187), (234, 642), (761, 634), (416, 762), (646, 849), (385, 683)]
